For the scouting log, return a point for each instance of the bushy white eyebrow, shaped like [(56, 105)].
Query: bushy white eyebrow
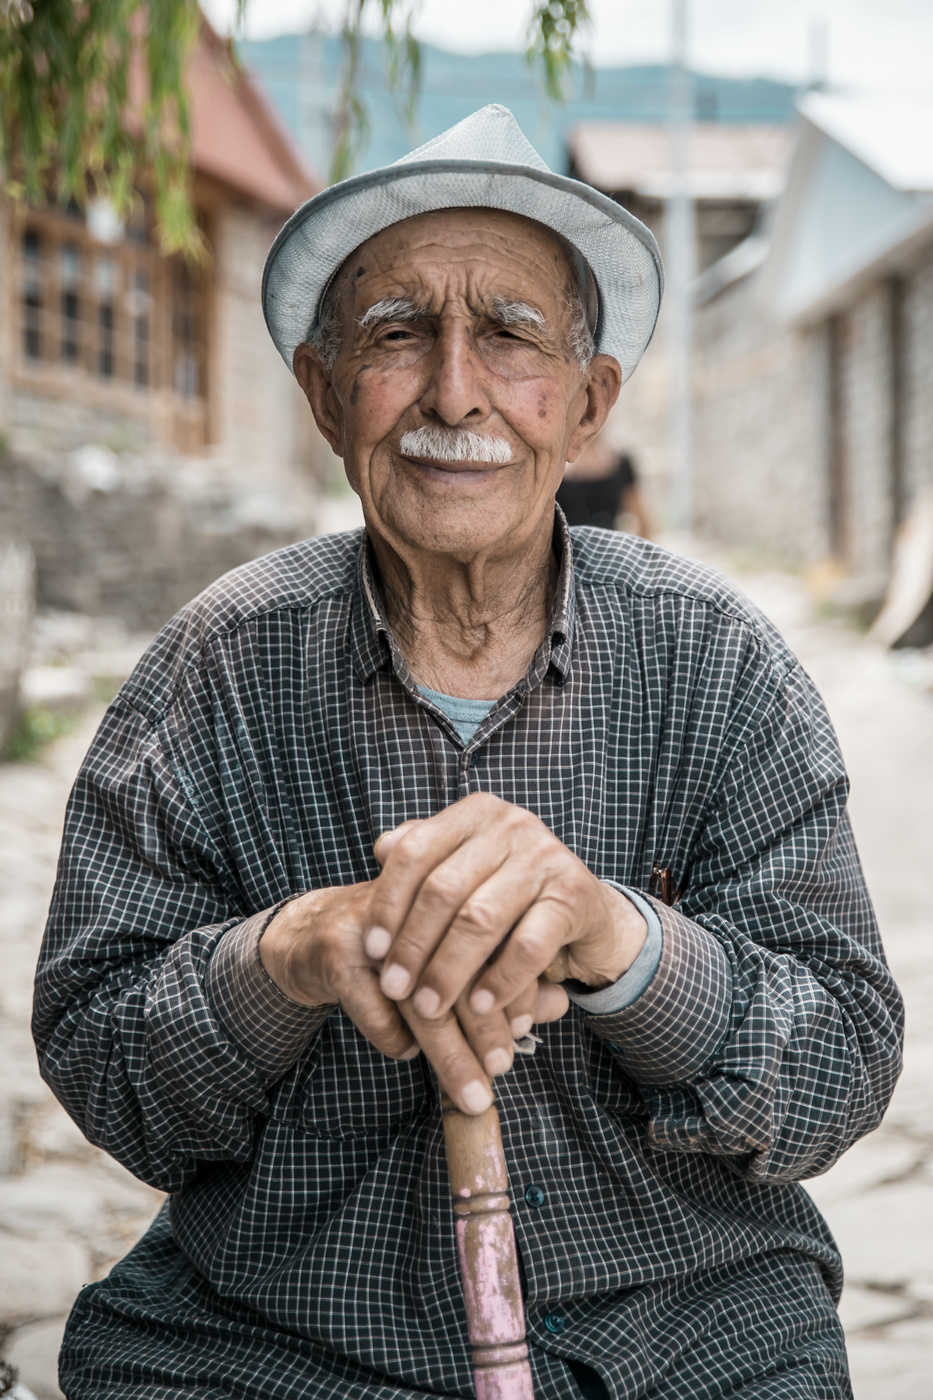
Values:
[(390, 309), (517, 313)]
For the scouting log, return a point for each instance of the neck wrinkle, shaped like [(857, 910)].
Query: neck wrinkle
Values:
[(468, 625)]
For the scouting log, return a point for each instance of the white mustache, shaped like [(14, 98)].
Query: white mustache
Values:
[(455, 445)]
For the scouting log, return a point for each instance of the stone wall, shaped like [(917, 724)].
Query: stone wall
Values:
[(918, 386), (760, 431), (260, 421), (865, 411), (133, 537), (638, 426), (17, 599), (6, 328), (764, 420)]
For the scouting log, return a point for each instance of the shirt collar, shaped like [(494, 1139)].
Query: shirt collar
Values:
[(374, 645)]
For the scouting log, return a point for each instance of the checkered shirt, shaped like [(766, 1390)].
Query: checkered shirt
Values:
[(269, 735)]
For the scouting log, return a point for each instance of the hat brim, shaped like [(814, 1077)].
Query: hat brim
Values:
[(621, 253)]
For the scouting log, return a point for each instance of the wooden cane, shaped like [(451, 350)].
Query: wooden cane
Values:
[(488, 1259)]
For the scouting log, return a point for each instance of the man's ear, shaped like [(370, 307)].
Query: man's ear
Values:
[(317, 388), (601, 389)]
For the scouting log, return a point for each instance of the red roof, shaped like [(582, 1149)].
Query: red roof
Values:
[(235, 135)]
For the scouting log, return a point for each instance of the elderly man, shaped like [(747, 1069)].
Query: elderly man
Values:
[(362, 794)]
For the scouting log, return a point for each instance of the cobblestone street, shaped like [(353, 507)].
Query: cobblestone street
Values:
[(67, 1212)]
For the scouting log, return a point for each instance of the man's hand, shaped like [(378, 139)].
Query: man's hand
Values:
[(474, 904), (314, 952)]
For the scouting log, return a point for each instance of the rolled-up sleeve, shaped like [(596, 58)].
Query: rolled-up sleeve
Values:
[(771, 1031), (673, 1029), (271, 1028)]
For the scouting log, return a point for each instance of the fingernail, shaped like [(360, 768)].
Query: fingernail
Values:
[(498, 1061), (395, 981), (521, 1026), (411, 1054), (378, 942), (475, 1097), (426, 1002), (482, 1001)]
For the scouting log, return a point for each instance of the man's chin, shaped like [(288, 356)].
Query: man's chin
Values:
[(460, 529)]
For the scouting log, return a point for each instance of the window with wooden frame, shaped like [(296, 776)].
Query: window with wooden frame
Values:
[(112, 323)]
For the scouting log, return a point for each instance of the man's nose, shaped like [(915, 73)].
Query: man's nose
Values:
[(456, 390)]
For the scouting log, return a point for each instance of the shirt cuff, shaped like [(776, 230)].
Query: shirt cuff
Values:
[(636, 978), (273, 1030), (674, 1029)]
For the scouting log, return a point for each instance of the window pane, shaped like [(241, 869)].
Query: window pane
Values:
[(187, 335), (32, 295), (105, 277), (70, 279), (70, 266), (105, 285), (105, 350), (141, 305)]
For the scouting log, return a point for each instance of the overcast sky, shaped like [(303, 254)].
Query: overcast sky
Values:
[(873, 45)]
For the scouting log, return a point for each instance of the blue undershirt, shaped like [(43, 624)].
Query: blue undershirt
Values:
[(466, 716)]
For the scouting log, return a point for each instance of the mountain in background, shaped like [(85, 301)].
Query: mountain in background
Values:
[(301, 74)]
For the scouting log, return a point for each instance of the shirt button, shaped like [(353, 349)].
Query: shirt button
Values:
[(535, 1196), (554, 1322)]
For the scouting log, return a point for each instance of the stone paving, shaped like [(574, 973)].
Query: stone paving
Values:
[(67, 1212)]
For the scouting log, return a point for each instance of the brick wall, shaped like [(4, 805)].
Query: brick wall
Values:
[(918, 385), (866, 409), (760, 431), (764, 425), (260, 419)]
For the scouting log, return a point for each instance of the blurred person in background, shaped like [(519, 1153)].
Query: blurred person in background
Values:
[(601, 488)]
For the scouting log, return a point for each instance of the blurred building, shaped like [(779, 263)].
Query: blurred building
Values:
[(100, 333), (733, 169), (154, 436), (814, 348), (735, 172)]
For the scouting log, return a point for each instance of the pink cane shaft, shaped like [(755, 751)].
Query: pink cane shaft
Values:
[(489, 1273)]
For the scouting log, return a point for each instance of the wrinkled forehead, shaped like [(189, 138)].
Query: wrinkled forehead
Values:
[(400, 247)]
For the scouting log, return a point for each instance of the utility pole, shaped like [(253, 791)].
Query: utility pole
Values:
[(680, 241)]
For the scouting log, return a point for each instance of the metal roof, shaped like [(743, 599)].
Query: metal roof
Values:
[(727, 160), (894, 138), (857, 204)]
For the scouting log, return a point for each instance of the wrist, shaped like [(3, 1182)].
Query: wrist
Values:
[(287, 952), (601, 961)]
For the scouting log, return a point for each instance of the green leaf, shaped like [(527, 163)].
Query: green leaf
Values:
[(553, 32), (66, 78)]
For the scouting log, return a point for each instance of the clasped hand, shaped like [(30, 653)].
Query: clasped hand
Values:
[(446, 951)]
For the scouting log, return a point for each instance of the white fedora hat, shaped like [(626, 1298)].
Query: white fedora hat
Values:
[(483, 162)]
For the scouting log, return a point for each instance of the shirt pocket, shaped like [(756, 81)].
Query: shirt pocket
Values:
[(347, 1089)]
